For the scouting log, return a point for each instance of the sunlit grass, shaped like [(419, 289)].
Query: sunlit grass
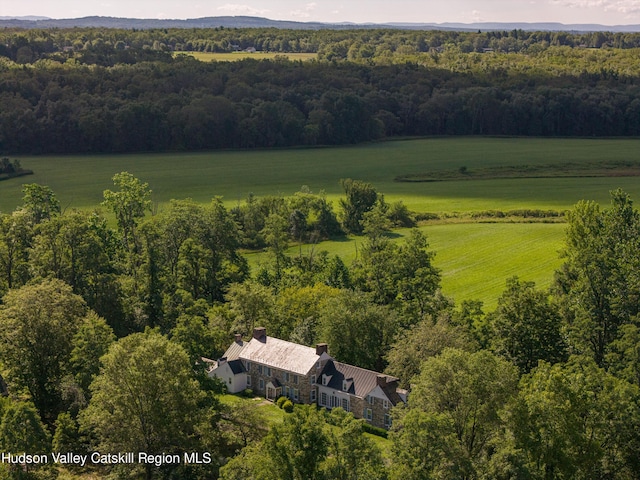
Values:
[(235, 56), (79, 180)]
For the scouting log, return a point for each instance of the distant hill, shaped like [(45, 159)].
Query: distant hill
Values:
[(259, 22)]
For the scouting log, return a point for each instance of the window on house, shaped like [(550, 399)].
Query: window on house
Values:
[(345, 385), (260, 369), (387, 420), (323, 399), (370, 400), (367, 414), (286, 392), (312, 396), (261, 383), (296, 394), (248, 380), (267, 371), (385, 404), (324, 379), (295, 379), (248, 366), (345, 404), (286, 376), (229, 380), (313, 379)]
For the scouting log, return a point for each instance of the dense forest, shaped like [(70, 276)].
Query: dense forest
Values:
[(100, 90), (102, 330)]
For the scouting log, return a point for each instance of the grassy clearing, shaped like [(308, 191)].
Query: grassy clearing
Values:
[(270, 414), (79, 181), (235, 56), (475, 259)]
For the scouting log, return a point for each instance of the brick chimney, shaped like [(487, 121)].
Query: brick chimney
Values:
[(381, 380), (321, 348), (238, 337), (260, 334)]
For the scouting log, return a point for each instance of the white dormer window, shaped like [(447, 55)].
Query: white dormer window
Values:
[(345, 386), (324, 379)]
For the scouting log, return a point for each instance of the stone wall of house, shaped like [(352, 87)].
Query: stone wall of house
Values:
[(303, 386), (377, 410)]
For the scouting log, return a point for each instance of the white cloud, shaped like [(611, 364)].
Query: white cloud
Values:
[(620, 6), (304, 13), (235, 9)]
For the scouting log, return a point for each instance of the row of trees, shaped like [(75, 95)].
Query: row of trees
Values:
[(184, 104), (102, 330), (86, 43)]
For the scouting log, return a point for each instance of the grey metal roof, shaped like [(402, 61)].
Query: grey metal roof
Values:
[(280, 354), (360, 381), (233, 352)]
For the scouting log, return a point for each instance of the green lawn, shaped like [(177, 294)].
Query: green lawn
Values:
[(80, 180)]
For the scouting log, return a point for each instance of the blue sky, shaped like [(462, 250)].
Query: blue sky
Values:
[(606, 12)]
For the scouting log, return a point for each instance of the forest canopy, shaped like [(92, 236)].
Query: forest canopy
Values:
[(101, 90)]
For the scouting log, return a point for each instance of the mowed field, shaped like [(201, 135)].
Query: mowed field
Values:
[(475, 259), (235, 56)]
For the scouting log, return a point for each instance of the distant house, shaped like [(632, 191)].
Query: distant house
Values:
[(250, 50), (273, 367)]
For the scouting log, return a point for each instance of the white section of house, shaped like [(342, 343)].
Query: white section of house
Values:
[(233, 377)]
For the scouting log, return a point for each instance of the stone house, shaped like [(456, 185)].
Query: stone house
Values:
[(273, 367)]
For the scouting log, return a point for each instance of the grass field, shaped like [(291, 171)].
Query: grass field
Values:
[(235, 56), (79, 181), (475, 259)]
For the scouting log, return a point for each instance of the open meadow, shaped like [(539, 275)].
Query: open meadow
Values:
[(236, 56), (475, 258)]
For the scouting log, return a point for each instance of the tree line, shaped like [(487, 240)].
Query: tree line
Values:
[(102, 330), (184, 104), (26, 46)]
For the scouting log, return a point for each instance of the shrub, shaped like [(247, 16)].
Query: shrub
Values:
[(287, 406), (380, 432), (247, 392), (280, 401)]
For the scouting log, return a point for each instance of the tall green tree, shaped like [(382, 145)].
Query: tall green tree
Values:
[(599, 281), (16, 234), (21, 431), (358, 331), (40, 202), (294, 450), (360, 198), (575, 420), (426, 339), (37, 325), (129, 203), (145, 399), (467, 393), (527, 326)]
